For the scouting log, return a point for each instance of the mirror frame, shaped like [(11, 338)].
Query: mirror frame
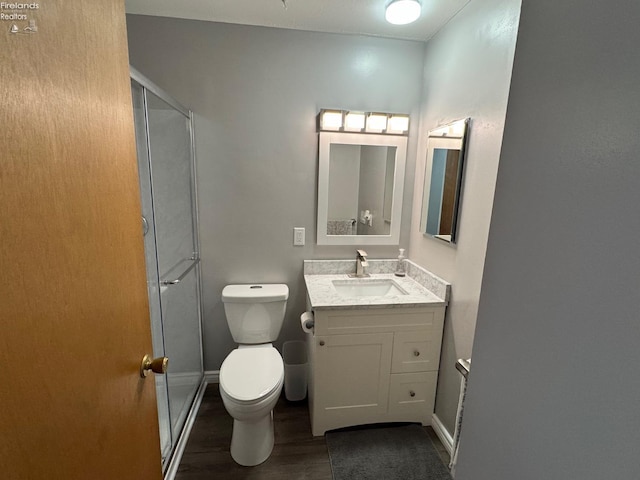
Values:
[(449, 136), (324, 147)]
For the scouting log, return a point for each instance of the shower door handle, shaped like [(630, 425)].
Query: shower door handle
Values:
[(145, 226), (155, 365), (179, 278)]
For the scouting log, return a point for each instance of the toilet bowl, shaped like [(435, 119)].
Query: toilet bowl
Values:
[(251, 379), (252, 375)]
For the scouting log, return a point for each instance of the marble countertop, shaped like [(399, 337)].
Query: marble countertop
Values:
[(319, 278)]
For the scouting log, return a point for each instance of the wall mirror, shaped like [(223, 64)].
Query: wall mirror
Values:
[(443, 180), (360, 186)]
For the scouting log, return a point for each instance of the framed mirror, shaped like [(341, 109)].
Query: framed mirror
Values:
[(360, 186), (443, 180)]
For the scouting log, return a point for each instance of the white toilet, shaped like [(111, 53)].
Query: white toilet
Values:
[(252, 375)]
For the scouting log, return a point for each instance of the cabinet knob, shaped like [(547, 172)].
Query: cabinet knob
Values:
[(416, 353), (412, 393), (321, 342)]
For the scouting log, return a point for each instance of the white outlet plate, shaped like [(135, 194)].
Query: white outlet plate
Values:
[(298, 236)]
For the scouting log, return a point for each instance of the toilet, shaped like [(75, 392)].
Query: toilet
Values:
[(252, 375)]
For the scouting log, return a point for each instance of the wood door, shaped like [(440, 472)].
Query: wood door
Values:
[(74, 321)]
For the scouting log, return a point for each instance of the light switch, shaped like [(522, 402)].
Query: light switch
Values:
[(298, 235)]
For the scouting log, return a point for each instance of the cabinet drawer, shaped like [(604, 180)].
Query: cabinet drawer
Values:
[(416, 352), (343, 321), (411, 393)]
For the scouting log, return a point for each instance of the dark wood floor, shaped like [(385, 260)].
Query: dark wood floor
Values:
[(297, 455)]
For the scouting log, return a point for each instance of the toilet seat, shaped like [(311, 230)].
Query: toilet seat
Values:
[(250, 374)]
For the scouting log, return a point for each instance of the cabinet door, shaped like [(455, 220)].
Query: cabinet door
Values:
[(352, 376)]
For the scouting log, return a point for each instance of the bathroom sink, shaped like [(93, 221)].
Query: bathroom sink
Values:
[(367, 288)]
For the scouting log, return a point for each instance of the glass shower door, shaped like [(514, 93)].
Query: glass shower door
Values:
[(153, 281), (165, 161), (177, 252)]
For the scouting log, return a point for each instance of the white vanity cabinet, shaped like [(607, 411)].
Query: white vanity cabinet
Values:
[(372, 365)]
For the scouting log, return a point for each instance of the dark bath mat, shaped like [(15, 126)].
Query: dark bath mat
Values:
[(384, 453)]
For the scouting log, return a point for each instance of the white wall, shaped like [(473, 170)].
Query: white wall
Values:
[(554, 387), (256, 93), (466, 74)]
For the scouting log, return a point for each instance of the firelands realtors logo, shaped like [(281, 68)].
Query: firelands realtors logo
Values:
[(16, 14)]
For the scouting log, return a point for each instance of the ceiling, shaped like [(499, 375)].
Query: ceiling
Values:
[(363, 17)]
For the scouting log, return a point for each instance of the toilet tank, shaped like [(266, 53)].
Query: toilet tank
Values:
[(255, 312)]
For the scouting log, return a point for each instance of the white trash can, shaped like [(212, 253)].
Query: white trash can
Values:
[(294, 354)]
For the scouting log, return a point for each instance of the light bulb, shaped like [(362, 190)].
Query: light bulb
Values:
[(354, 121), (331, 119), (398, 124), (376, 122)]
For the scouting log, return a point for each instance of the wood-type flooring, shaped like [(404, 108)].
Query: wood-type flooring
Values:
[(297, 455)]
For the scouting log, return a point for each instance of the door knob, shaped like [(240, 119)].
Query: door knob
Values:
[(156, 365)]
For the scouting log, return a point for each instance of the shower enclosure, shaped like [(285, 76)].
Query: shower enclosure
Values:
[(164, 140)]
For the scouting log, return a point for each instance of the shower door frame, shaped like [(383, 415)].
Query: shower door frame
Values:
[(171, 462)]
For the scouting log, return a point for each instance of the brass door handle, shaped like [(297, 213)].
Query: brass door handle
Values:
[(156, 365)]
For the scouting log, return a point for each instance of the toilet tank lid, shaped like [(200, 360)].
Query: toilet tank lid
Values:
[(252, 293)]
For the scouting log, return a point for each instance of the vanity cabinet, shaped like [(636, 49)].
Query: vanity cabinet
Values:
[(373, 365)]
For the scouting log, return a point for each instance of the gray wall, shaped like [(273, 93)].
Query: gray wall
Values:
[(344, 181), (554, 384), (256, 93), (466, 74)]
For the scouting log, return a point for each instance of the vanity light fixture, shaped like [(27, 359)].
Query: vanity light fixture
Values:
[(354, 121), (453, 130), (403, 12), (333, 120), (398, 124), (376, 122)]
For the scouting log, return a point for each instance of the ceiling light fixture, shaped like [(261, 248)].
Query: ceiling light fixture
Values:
[(402, 12)]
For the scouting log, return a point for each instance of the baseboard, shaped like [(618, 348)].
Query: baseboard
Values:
[(174, 463), (212, 376), (443, 434)]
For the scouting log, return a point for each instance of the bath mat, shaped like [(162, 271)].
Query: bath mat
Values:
[(390, 452)]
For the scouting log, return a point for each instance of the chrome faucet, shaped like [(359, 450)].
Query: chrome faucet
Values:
[(361, 265)]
